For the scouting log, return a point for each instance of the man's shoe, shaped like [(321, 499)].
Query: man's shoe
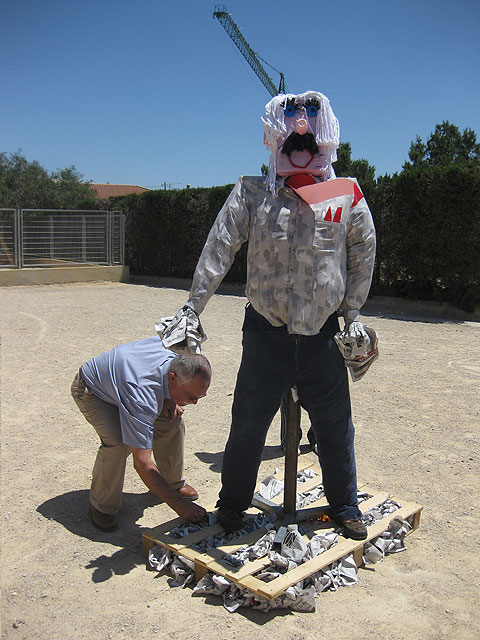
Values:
[(187, 493), (103, 521), (354, 529), (229, 519)]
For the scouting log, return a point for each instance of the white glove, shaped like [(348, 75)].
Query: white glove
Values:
[(358, 344), (353, 341)]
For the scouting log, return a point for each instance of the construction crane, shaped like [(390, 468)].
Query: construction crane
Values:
[(250, 56)]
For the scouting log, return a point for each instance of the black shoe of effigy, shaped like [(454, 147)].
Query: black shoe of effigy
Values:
[(103, 521), (230, 520), (355, 529)]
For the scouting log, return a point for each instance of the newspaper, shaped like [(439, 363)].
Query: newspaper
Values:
[(182, 333)]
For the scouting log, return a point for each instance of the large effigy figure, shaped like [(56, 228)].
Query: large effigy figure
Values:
[(311, 249)]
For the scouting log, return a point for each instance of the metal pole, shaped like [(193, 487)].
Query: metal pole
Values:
[(52, 237), (122, 238), (19, 238), (291, 455), (16, 256), (291, 411), (84, 238), (109, 237)]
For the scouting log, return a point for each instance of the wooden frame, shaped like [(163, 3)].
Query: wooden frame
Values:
[(212, 560)]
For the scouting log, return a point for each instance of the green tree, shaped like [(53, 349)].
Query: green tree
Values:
[(344, 159), (360, 169), (23, 183), (446, 145), (28, 185), (70, 188)]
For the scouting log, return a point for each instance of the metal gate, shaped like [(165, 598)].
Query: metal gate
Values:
[(54, 237)]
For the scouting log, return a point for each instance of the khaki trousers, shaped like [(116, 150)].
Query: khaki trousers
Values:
[(109, 468)]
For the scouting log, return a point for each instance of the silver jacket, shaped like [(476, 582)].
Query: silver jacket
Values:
[(301, 268)]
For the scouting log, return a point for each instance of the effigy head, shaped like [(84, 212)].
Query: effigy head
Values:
[(303, 135)]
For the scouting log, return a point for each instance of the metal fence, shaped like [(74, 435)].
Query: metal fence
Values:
[(52, 238)]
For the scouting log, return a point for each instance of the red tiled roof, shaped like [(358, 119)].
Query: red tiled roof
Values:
[(110, 190)]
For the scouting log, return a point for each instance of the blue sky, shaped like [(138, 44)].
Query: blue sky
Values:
[(152, 92)]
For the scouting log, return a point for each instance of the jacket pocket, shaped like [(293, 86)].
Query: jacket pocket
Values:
[(328, 235)]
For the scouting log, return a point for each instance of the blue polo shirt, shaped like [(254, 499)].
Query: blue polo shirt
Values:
[(134, 378)]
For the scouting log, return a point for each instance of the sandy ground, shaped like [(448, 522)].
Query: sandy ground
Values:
[(417, 421)]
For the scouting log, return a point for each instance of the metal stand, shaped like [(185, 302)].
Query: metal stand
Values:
[(283, 427), (288, 512)]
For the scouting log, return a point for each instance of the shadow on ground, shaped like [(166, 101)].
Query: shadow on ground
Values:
[(269, 453), (71, 510)]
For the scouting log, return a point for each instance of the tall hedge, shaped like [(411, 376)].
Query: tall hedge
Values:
[(166, 231), (427, 221), (428, 229)]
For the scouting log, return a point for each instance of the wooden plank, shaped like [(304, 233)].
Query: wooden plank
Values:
[(147, 544), (213, 556), (197, 536), (374, 501), (244, 575), (158, 535), (163, 528), (200, 571), (240, 573), (344, 547), (358, 556), (167, 541), (405, 511), (187, 552), (248, 538), (178, 545), (415, 523), (279, 585), (313, 526), (253, 584)]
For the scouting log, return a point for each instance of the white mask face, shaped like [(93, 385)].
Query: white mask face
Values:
[(303, 135)]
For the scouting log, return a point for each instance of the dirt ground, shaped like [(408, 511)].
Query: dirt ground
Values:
[(417, 420)]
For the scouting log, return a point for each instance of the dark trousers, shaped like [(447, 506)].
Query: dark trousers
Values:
[(273, 361)]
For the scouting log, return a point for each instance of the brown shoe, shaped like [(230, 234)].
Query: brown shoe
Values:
[(187, 493), (103, 521), (354, 529)]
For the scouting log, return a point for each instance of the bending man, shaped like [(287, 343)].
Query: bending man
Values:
[(134, 396)]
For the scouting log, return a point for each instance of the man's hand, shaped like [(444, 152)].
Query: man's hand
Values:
[(148, 472), (171, 410), (189, 512)]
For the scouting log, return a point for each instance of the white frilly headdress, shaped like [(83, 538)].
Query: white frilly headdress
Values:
[(327, 132)]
